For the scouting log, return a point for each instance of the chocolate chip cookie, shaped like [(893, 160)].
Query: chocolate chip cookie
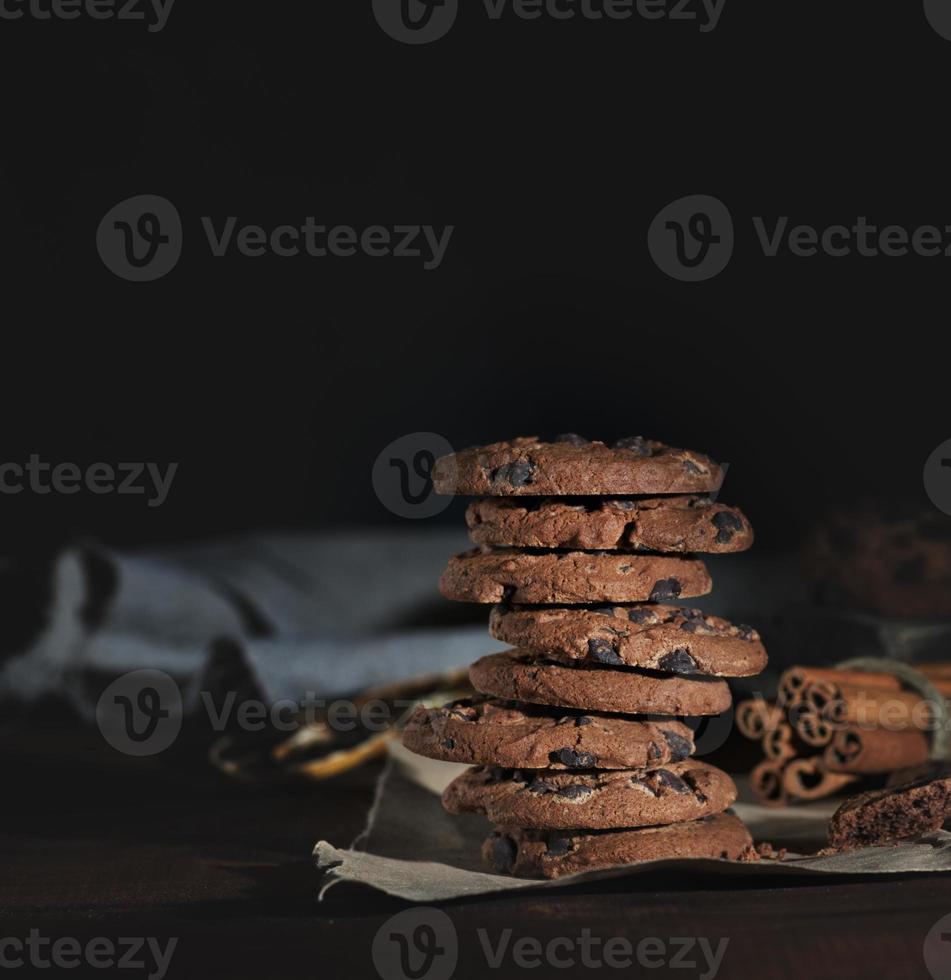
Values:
[(525, 676), (901, 810), (658, 637), (669, 524), (499, 733), (573, 465), (571, 577), (552, 854), (600, 800)]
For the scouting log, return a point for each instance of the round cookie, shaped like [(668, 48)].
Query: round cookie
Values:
[(657, 637), (572, 465), (499, 733), (549, 800), (571, 577), (552, 854), (915, 802), (525, 676), (669, 524)]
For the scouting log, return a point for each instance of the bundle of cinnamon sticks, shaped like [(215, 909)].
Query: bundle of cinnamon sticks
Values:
[(830, 729)]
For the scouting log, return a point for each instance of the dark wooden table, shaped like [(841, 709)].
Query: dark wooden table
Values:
[(100, 845)]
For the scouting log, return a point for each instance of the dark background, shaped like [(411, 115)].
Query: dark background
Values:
[(274, 383)]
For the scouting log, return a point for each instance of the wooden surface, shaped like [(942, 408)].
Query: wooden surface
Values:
[(96, 844)]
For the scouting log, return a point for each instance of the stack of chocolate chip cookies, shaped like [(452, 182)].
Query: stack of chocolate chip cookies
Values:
[(577, 756)]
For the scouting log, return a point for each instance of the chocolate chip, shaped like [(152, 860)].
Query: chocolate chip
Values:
[(602, 610), (574, 791), (449, 743), (680, 747), (653, 750), (504, 852), (636, 444), (582, 720), (691, 467), (666, 588), (746, 632), (727, 525), (692, 785), (573, 438), (671, 781), (518, 473), (603, 652), (558, 846), (690, 626), (640, 616), (678, 662), (624, 504), (574, 760)]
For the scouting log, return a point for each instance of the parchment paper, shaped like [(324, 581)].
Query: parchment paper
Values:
[(413, 849)]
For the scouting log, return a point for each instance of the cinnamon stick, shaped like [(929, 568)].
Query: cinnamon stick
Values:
[(875, 751), (767, 782), (838, 675), (779, 744), (942, 671), (810, 726), (755, 717), (860, 704), (808, 779)]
